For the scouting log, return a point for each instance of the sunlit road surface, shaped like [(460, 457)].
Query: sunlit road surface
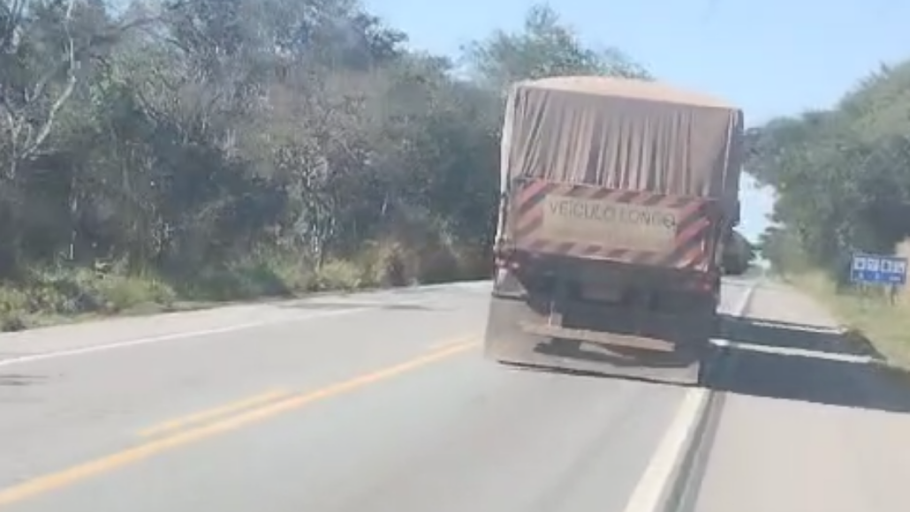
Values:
[(382, 402), (807, 423)]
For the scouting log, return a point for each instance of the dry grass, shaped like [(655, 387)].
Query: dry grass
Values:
[(885, 325), (69, 294)]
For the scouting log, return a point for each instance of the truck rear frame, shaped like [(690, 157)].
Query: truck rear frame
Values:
[(601, 317)]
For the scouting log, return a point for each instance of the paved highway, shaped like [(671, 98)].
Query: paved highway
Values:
[(382, 402)]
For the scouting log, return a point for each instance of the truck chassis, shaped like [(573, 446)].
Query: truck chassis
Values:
[(594, 317)]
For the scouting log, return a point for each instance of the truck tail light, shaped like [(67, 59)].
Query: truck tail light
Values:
[(504, 258), (508, 264)]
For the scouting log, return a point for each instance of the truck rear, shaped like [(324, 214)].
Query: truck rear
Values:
[(617, 197)]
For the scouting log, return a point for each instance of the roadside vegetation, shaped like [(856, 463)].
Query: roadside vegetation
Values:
[(169, 154), (843, 182)]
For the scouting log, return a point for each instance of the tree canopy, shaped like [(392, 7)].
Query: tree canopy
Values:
[(180, 136), (842, 176), (544, 47)]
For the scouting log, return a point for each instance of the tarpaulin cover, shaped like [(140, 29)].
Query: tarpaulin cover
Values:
[(623, 134)]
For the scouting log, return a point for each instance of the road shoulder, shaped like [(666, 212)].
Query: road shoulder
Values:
[(809, 422)]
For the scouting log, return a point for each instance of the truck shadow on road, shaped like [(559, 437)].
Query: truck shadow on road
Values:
[(808, 363)]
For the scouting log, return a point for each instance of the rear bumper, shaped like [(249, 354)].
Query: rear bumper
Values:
[(602, 338), (623, 307), (519, 333)]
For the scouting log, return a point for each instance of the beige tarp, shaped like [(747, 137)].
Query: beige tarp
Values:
[(623, 134)]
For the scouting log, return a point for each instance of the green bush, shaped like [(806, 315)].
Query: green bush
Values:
[(73, 292), (44, 295), (338, 275), (13, 303), (387, 264)]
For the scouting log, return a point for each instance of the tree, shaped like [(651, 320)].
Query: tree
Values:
[(545, 47), (842, 175), (226, 141)]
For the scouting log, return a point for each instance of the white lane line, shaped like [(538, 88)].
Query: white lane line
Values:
[(653, 485), (814, 329), (797, 352), (657, 479), (744, 300), (790, 351), (166, 337)]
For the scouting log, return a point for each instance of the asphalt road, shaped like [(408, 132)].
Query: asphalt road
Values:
[(377, 401)]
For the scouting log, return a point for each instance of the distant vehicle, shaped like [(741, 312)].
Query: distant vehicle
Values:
[(617, 200), (738, 255)]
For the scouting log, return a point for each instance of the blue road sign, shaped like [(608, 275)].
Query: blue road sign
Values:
[(877, 269)]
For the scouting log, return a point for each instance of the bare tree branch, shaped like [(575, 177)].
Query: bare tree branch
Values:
[(64, 96)]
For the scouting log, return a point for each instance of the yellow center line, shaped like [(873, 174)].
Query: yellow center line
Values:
[(441, 345), (74, 474), (213, 413)]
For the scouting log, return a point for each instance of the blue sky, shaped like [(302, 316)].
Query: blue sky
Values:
[(772, 57)]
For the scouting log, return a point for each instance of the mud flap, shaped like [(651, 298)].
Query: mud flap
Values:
[(507, 342)]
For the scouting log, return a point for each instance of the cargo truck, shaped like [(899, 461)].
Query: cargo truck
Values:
[(617, 198), (738, 255)]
